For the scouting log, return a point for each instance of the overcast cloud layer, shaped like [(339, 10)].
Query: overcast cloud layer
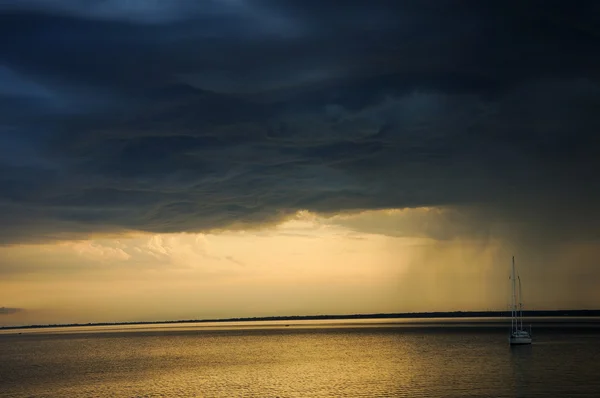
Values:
[(188, 116)]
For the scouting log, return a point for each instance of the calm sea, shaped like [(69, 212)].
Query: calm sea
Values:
[(371, 358)]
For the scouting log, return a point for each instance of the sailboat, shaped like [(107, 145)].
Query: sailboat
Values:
[(518, 335)]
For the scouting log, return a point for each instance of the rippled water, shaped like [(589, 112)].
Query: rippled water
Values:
[(304, 359)]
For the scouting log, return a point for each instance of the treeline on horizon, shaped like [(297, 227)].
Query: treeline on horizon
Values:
[(454, 314)]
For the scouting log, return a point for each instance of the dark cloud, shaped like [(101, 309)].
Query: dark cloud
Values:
[(186, 117)]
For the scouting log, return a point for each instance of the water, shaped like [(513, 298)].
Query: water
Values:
[(384, 358)]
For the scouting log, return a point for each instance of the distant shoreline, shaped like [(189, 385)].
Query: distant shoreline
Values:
[(421, 315)]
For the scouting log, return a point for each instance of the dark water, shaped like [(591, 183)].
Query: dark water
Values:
[(305, 359)]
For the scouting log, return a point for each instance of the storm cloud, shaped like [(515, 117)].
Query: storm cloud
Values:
[(226, 114)]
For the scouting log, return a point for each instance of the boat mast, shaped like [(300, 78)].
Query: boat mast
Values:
[(514, 321), (520, 303)]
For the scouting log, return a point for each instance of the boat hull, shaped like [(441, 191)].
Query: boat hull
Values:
[(519, 340)]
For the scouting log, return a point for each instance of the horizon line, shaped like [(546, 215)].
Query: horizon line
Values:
[(425, 315)]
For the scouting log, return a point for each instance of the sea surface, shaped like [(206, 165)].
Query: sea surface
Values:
[(354, 358)]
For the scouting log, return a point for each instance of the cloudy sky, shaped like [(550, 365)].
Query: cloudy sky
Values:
[(224, 158)]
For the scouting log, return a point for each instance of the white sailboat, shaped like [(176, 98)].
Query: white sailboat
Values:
[(518, 335)]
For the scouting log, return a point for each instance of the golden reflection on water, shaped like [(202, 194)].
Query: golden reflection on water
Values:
[(352, 359)]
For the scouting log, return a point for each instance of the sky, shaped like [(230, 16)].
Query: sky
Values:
[(231, 158)]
